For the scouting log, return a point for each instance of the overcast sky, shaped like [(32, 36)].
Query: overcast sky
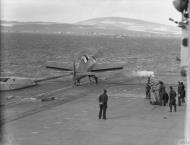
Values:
[(71, 11)]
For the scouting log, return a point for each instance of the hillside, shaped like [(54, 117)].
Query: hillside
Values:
[(126, 24), (98, 26)]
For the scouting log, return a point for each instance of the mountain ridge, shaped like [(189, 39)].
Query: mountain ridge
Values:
[(95, 26), (121, 19)]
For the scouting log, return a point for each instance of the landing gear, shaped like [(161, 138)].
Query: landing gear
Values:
[(94, 77), (77, 82)]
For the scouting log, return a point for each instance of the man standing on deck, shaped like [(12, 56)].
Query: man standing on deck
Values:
[(179, 91), (148, 88), (162, 91), (165, 98), (103, 99), (172, 95), (183, 92)]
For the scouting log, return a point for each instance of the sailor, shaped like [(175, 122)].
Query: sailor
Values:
[(148, 88), (179, 91), (172, 95), (103, 99), (183, 92), (154, 100), (161, 92), (165, 98)]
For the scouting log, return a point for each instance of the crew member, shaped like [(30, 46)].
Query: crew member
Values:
[(148, 88), (103, 99), (183, 92), (154, 100), (172, 95), (179, 91), (165, 98), (162, 91)]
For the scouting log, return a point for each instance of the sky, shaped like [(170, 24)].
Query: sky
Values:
[(71, 11)]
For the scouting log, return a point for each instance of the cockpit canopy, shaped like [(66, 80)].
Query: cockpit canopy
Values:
[(84, 58)]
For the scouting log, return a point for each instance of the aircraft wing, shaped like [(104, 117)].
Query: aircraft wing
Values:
[(59, 66), (101, 67)]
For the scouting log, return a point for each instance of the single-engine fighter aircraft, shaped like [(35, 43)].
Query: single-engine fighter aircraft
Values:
[(85, 66)]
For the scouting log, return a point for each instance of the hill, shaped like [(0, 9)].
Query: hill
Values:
[(126, 24), (99, 26)]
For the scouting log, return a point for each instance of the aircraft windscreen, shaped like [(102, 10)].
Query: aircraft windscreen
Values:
[(84, 58)]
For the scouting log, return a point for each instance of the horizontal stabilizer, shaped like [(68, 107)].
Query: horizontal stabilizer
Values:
[(57, 68), (108, 66), (107, 69)]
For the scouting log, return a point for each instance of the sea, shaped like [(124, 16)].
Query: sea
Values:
[(26, 54)]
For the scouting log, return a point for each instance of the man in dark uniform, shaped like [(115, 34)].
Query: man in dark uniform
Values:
[(165, 98), (172, 95), (179, 91), (148, 88), (183, 92), (103, 99), (161, 92)]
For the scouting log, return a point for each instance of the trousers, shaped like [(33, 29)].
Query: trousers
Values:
[(172, 103), (103, 108)]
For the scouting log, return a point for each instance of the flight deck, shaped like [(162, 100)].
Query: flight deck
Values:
[(72, 116)]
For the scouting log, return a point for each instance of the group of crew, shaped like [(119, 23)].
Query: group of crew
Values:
[(157, 94)]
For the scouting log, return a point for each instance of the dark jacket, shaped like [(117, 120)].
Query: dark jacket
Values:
[(103, 98), (165, 97), (162, 90), (148, 87), (179, 88), (183, 93), (182, 86), (172, 95)]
